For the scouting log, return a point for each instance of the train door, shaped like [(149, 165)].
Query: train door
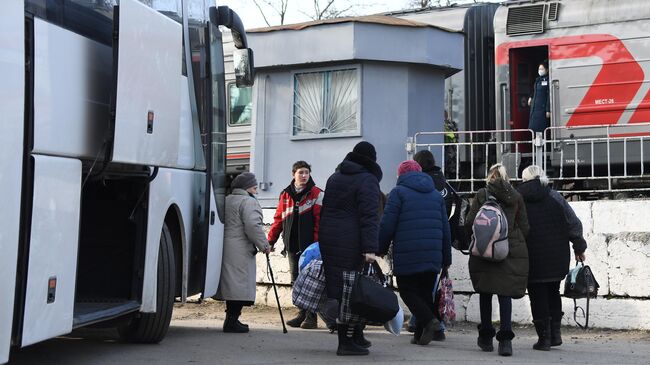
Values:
[(523, 72)]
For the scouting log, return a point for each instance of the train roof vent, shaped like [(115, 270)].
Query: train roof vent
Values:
[(553, 10), (525, 20)]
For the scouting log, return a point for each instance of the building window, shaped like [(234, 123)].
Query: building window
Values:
[(326, 103), (241, 105)]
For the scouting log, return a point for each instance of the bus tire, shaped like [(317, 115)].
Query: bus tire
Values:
[(152, 327)]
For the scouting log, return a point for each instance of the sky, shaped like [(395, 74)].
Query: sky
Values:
[(295, 12)]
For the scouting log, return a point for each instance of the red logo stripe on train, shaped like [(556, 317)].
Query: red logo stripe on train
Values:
[(620, 77)]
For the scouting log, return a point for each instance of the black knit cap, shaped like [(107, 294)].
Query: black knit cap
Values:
[(244, 181), (366, 149)]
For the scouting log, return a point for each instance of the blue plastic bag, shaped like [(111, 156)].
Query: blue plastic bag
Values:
[(310, 253)]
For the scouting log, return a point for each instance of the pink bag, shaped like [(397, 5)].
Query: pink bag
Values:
[(446, 307)]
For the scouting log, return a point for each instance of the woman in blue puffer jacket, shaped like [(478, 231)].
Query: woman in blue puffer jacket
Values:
[(415, 223)]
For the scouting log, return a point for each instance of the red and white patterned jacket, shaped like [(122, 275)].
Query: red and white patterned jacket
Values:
[(308, 218)]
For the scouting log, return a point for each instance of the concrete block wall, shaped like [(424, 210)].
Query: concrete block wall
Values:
[(618, 235)]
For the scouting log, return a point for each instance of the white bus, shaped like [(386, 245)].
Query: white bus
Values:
[(112, 163)]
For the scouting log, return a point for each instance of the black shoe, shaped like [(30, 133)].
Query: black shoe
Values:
[(232, 325), (543, 329), (242, 324), (347, 347), (484, 340), (359, 339), (297, 320), (556, 334), (310, 322), (439, 336), (427, 333), (505, 342), (505, 348)]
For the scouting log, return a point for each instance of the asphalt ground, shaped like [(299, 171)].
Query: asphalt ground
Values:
[(195, 337)]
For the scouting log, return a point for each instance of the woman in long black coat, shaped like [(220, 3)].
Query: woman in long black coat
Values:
[(540, 101), (349, 230), (553, 223)]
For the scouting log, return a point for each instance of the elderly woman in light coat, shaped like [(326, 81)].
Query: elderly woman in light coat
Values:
[(244, 237)]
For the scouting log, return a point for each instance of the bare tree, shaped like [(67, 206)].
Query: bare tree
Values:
[(327, 9), (277, 6)]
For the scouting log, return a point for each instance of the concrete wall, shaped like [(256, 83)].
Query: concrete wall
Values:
[(618, 235), (397, 100)]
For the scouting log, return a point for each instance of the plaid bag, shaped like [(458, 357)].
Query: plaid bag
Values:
[(309, 288), (346, 316)]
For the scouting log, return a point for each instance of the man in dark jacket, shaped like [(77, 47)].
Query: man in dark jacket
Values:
[(297, 217), (553, 223), (415, 223), (348, 229)]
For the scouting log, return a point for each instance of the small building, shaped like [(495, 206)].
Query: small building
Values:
[(323, 86)]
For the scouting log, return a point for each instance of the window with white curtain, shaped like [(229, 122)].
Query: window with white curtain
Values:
[(326, 103)]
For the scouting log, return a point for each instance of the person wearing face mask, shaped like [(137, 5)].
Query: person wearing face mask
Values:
[(540, 104), (297, 218)]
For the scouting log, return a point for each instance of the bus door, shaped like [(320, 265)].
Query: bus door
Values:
[(523, 72), (12, 104), (215, 158)]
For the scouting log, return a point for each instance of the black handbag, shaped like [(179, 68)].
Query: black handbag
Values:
[(580, 283), (372, 300)]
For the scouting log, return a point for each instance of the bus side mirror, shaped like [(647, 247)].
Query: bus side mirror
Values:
[(244, 69)]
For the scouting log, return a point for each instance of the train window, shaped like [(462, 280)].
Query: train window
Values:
[(241, 105), (326, 103)]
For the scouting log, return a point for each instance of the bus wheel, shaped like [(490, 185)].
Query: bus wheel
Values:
[(152, 327)]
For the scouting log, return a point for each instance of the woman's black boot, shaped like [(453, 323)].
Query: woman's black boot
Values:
[(543, 329), (556, 333), (485, 336), (505, 342), (347, 347), (359, 339)]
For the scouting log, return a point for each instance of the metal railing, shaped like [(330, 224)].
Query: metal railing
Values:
[(602, 157), (479, 149), (584, 159)]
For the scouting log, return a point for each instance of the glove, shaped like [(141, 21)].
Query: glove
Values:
[(370, 257)]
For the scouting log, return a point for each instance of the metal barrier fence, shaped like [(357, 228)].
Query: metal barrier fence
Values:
[(604, 158), (586, 159)]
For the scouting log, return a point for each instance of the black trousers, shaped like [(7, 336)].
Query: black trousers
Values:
[(417, 292), (233, 307), (545, 300), (293, 265), (505, 311)]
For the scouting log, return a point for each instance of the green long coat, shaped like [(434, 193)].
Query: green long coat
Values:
[(508, 277)]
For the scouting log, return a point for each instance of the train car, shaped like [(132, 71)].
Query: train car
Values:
[(599, 60)]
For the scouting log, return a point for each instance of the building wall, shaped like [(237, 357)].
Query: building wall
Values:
[(396, 101), (619, 255)]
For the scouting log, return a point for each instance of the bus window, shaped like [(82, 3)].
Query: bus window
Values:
[(241, 105)]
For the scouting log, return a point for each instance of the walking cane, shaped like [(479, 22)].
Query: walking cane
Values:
[(277, 299)]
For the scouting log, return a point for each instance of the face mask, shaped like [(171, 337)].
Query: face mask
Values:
[(541, 72)]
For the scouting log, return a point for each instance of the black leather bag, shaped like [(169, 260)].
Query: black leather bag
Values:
[(580, 283), (371, 299)]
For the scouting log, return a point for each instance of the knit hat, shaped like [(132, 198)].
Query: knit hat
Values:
[(408, 166), (366, 149), (244, 181)]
